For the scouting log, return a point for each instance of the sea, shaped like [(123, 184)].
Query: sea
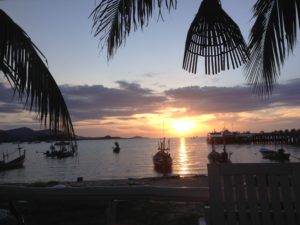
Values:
[(97, 161)]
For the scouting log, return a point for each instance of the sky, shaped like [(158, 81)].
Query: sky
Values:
[(143, 90)]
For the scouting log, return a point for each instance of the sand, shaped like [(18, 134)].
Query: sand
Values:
[(164, 181), (135, 212)]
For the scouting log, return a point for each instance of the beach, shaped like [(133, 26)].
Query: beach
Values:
[(163, 181)]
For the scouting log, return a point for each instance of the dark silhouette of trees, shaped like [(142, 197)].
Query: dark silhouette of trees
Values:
[(272, 37)]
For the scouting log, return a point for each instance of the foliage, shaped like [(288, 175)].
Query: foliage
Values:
[(113, 19), (22, 65), (273, 35)]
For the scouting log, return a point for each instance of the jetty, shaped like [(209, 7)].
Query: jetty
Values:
[(290, 137), (279, 137)]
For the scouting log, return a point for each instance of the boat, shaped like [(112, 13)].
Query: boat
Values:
[(278, 155), (215, 138), (65, 150), (52, 153), (64, 153), (216, 157), (162, 160), (230, 137), (15, 163), (116, 148)]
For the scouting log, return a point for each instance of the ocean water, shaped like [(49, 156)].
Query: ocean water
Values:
[(96, 159)]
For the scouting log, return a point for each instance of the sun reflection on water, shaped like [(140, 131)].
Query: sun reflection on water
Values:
[(183, 157)]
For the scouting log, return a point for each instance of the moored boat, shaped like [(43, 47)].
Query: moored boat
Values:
[(215, 138), (162, 160), (278, 155), (65, 150), (216, 157), (52, 153), (12, 164), (116, 148), (229, 137)]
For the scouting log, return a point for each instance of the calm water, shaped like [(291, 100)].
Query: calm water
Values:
[(96, 159)]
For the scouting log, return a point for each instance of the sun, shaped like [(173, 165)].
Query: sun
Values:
[(183, 126)]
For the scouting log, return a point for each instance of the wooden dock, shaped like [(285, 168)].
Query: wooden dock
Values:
[(290, 138)]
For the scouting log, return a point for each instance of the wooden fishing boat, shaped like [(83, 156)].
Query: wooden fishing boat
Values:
[(52, 152), (65, 153), (116, 148), (216, 157), (65, 150), (279, 155), (12, 164), (162, 160)]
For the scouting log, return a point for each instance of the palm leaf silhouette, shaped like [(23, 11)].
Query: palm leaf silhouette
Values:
[(21, 63), (113, 19), (272, 38)]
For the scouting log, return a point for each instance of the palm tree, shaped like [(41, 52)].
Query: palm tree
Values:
[(22, 64), (272, 37)]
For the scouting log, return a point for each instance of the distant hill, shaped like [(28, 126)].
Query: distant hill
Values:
[(27, 134), (107, 137), (25, 131), (24, 134)]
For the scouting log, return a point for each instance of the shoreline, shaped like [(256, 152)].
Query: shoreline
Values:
[(94, 210), (164, 181)]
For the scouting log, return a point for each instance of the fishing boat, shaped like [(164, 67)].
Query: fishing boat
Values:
[(65, 149), (12, 164), (228, 136), (278, 155), (216, 157), (162, 160), (116, 148), (52, 153)]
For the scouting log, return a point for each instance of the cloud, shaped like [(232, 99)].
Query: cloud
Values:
[(149, 75), (8, 102), (97, 101), (203, 100), (133, 87)]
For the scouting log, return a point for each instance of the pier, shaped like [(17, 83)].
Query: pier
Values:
[(289, 137), (280, 137)]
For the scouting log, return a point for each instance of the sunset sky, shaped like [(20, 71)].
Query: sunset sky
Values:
[(143, 90)]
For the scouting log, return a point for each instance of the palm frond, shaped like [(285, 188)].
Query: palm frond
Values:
[(272, 37), (21, 63), (113, 19)]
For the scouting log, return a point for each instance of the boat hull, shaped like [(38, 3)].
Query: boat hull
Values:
[(13, 164), (116, 150), (66, 154), (274, 155), (162, 162)]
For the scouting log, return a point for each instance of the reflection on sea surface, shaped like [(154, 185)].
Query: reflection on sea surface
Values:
[(183, 158), (96, 159)]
